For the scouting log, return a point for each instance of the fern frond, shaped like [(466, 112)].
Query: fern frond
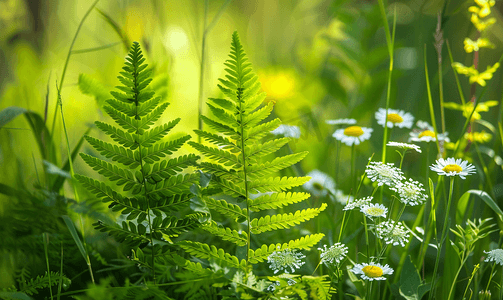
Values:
[(276, 200), (305, 242), (145, 108), (226, 234), (153, 135), (116, 153), (277, 164), (129, 233), (228, 209), (230, 188), (277, 184), (173, 185), (258, 116), (219, 140), (259, 150), (169, 168), (119, 136), (320, 285), (171, 204), (222, 128), (259, 131), (173, 227), (282, 221), (221, 156), (32, 286), (121, 119), (160, 150), (229, 106), (204, 251), (152, 117), (112, 172)]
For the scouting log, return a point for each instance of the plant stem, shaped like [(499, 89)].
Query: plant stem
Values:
[(45, 237), (456, 277), (442, 237), (353, 170)]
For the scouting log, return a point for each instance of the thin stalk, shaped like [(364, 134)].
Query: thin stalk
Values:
[(430, 101), (45, 237), (353, 169), (442, 238), (62, 80), (475, 269), (458, 84), (484, 167), (60, 284), (439, 41), (456, 277), (72, 174)]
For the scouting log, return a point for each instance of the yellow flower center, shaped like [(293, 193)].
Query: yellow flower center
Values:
[(372, 271), (427, 133), (452, 168), (353, 131), (375, 211), (395, 118)]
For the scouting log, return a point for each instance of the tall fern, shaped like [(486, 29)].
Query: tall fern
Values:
[(237, 160), (153, 187)]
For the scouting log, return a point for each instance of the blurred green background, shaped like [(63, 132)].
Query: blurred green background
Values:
[(316, 59)]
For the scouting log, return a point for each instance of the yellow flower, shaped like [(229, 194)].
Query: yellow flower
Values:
[(484, 8), (468, 107), (479, 137), (471, 46), (481, 25), (474, 75)]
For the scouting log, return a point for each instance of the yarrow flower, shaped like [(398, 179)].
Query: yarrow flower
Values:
[(425, 133), (374, 210), (386, 174), (372, 271), (404, 146), (410, 192), (396, 117), (341, 122), (358, 203), (320, 184), (392, 233), (353, 135), (287, 131), (495, 255), (342, 198), (453, 167), (286, 260), (335, 253)]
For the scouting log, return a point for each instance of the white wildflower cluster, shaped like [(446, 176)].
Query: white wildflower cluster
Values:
[(384, 174), (392, 233), (410, 192), (495, 255), (286, 260), (358, 203), (373, 210), (334, 254), (405, 146)]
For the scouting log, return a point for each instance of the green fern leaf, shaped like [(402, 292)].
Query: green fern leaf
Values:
[(231, 210), (116, 153), (276, 200), (226, 234), (277, 164), (160, 150), (112, 172), (277, 184), (173, 185), (121, 137), (129, 233), (282, 221), (259, 150), (205, 251), (155, 134), (305, 242), (169, 168)]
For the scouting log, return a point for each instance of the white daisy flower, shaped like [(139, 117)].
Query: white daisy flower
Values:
[(341, 122), (342, 198), (287, 131), (353, 135), (374, 210), (320, 184), (425, 133), (404, 146), (392, 233), (410, 192), (335, 253), (495, 255), (396, 117), (285, 260), (386, 174), (453, 167), (372, 271), (358, 203)]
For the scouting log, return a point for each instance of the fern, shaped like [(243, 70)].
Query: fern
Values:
[(237, 161), (152, 186)]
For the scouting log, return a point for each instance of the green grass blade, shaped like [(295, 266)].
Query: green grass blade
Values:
[(10, 113), (488, 200), (75, 236), (430, 101), (122, 35), (87, 50), (460, 90)]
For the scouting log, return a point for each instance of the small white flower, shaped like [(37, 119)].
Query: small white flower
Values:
[(341, 122), (404, 146), (410, 192), (392, 233), (372, 271), (353, 135), (374, 210), (320, 184), (358, 203), (453, 167), (386, 174), (287, 131), (335, 253), (285, 260), (425, 133), (495, 255), (342, 198), (396, 117)]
